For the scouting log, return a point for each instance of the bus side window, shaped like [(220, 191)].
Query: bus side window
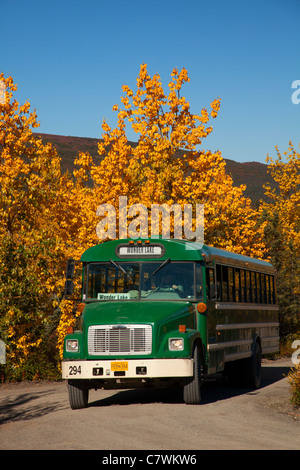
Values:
[(253, 286), (274, 290), (219, 282), (224, 284), (248, 286), (231, 295), (243, 287), (210, 283), (237, 283), (272, 296), (268, 289), (263, 287), (258, 283)]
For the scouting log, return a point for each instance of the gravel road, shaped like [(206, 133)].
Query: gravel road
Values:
[(37, 416)]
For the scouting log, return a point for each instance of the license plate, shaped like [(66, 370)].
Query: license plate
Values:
[(119, 366)]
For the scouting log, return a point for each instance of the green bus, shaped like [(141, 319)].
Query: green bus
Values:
[(158, 312)]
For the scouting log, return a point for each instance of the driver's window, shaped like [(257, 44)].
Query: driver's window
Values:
[(199, 283)]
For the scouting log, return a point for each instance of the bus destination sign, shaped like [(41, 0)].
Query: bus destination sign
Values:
[(135, 250)]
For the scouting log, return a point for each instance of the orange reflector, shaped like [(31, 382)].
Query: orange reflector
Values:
[(139, 242), (201, 307), (131, 242), (182, 328), (69, 330), (147, 242)]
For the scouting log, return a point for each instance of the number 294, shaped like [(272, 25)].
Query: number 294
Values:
[(74, 370)]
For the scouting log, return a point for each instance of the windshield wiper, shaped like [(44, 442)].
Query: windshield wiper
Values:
[(121, 269), (167, 261)]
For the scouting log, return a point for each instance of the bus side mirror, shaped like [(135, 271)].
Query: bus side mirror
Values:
[(69, 284), (70, 269), (213, 294), (69, 287)]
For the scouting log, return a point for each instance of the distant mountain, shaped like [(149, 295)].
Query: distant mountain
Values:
[(253, 174)]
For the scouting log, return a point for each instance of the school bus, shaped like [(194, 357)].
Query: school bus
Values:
[(160, 312)]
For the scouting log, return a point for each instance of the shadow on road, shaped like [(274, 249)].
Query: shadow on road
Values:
[(215, 389), (34, 404), (24, 407), (222, 389)]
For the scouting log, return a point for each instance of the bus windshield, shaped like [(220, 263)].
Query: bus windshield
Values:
[(157, 280)]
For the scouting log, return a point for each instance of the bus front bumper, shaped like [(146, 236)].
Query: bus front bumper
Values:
[(131, 368)]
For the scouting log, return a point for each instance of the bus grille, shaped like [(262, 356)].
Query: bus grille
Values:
[(119, 339)]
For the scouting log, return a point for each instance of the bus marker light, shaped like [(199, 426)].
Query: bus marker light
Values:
[(201, 307), (182, 328), (69, 330)]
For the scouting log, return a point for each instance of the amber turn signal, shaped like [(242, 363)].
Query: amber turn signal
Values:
[(201, 307), (182, 328)]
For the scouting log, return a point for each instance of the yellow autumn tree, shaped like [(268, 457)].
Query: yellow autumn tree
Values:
[(45, 218), (281, 218), (167, 164), (38, 224)]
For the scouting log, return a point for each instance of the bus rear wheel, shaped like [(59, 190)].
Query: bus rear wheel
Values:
[(252, 368), (78, 394), (192, 388)]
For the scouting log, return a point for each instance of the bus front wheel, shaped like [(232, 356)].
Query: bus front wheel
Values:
[(78, 394), (192, 388)]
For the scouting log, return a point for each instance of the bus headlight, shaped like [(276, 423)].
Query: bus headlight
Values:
[(72, 345), (176, 344)]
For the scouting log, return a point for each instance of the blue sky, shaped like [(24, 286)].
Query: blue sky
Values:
[(71, 58)]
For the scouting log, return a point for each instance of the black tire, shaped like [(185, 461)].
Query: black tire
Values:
[(251, 370), (78, 394), (192, 388)]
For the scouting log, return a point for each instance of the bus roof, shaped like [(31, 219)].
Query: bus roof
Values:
[(177, 250)]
